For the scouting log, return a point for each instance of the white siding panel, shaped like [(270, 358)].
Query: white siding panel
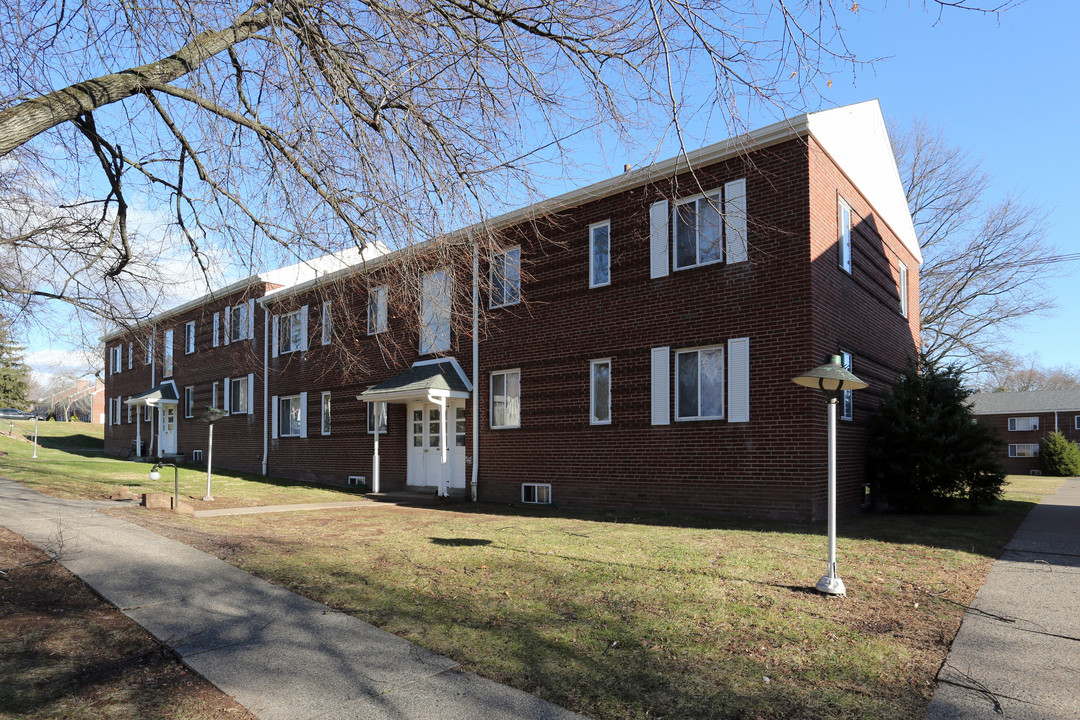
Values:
[(274, 417), (251, 393), (251, 319), (739, 380), (228, 389), (303, 411), (661, 386), (658, 239), (735, 220)]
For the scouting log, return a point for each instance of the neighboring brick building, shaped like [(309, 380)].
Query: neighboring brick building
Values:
[(1023, 419), (635, 347)]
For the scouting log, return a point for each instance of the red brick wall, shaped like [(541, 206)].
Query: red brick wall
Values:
[(1066, 423)]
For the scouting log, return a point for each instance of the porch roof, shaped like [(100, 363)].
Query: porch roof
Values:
[(424, 380), (163, 394)]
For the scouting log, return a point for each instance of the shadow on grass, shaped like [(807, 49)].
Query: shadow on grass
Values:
[(78, 444)]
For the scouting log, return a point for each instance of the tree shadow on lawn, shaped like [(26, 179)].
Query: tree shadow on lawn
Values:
[(80, 444)]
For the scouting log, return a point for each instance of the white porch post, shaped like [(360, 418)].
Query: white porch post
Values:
[(442, 444), (375, 457), (138, 431)]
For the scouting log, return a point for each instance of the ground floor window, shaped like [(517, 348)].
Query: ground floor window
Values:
[(1023, 450), (289, 416), (506, 399), (326, 413), (699, 383), (600, 392)]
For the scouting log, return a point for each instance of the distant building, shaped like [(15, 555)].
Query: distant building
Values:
[(84, 399), (1023, 419)]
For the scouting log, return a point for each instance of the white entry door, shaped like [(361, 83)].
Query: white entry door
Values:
[(425, 444), (167, 432)]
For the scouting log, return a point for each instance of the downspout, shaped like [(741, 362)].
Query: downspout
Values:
[(475, 371), (266, 387)]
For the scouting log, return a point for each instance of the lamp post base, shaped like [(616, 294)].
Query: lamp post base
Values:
[(208, 498), (831, 586)]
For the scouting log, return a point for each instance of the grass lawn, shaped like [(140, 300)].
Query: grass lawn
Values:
[(634, 615), (71, 463)]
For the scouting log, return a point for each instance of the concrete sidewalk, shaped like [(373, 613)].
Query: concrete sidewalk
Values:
[(279, 654), (1017, 654)]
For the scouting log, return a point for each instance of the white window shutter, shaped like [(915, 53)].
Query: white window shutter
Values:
[(277, 326), (217, 327), (661, 386), (739, 380), (251, 319), (251, 393), (658, 239), (228, 324), (303, 410), (228, 405), (274, 417), (304, 328), (735, 224)]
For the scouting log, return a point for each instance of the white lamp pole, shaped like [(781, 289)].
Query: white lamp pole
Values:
[(209, 459), (35, 434), (832, 379)]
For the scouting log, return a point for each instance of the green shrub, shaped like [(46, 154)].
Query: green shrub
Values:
[(1059, 456), (926, 451)]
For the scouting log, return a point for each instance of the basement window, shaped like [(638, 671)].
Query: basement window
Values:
[(536, 493)]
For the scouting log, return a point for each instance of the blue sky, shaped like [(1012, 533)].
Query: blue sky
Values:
[(1003, 87)]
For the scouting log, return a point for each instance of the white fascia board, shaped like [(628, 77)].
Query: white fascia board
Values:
[(856, 138)]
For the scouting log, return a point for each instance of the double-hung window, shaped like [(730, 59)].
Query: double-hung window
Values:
[(699, 383), (600, 392), (506, 399), (506, 278), (189, 401), (115, 359), (376, 310), (167, 358), (376, 409), (435, 312), (1023, 450), (327, 324), (240, 325), (189, 337), (238, 395), (326, 413), (698, 239), (847, 400), (600, 254), (290, 416), (290, 332), (843, 215), (1024, 424)]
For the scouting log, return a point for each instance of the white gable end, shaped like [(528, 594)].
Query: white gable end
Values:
[(856, 138)]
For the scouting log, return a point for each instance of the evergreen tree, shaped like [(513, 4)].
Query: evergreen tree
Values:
[(1058, 456), (926, 450), (14, 375)]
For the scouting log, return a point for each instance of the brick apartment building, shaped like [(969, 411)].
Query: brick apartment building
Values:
[(1023, 419), (633, 343)]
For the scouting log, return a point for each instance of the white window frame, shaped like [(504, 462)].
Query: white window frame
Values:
[(593, 387), (290, 399), (214, 394), (288, 319), (1026, 423), (240, 323), (1076, 422), (131, 354), (847, 397), (376, 310), (189, 337), (593, 283), (324, 406), (696, 201), (189, 401), (215, 338), (1032, 450), (371, 417), (506, 264), (327, 323), (844, 216), (541, 493), (115, 359), (903, 288), (435, 311), (505, 375), (167, 355), (235, 406), (679, 417)]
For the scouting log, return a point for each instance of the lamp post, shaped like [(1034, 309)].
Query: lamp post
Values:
[(833, 380), (35, 434), (211, 416), (155, 475)]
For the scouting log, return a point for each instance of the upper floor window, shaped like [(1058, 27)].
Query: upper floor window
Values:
[(189, 337), (506, 399), (506, 278), (847, 401), (376, 310), (239, 322), (698, 239), (1024, 423), (903, 289), (189, 402), (844, 224), (600, 392), (435, 312), (327, 324), (131, 354), (149, 350), (167, 358), (600, 254), (116, 359), (215, 333), (290, 332), (699, 384)]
